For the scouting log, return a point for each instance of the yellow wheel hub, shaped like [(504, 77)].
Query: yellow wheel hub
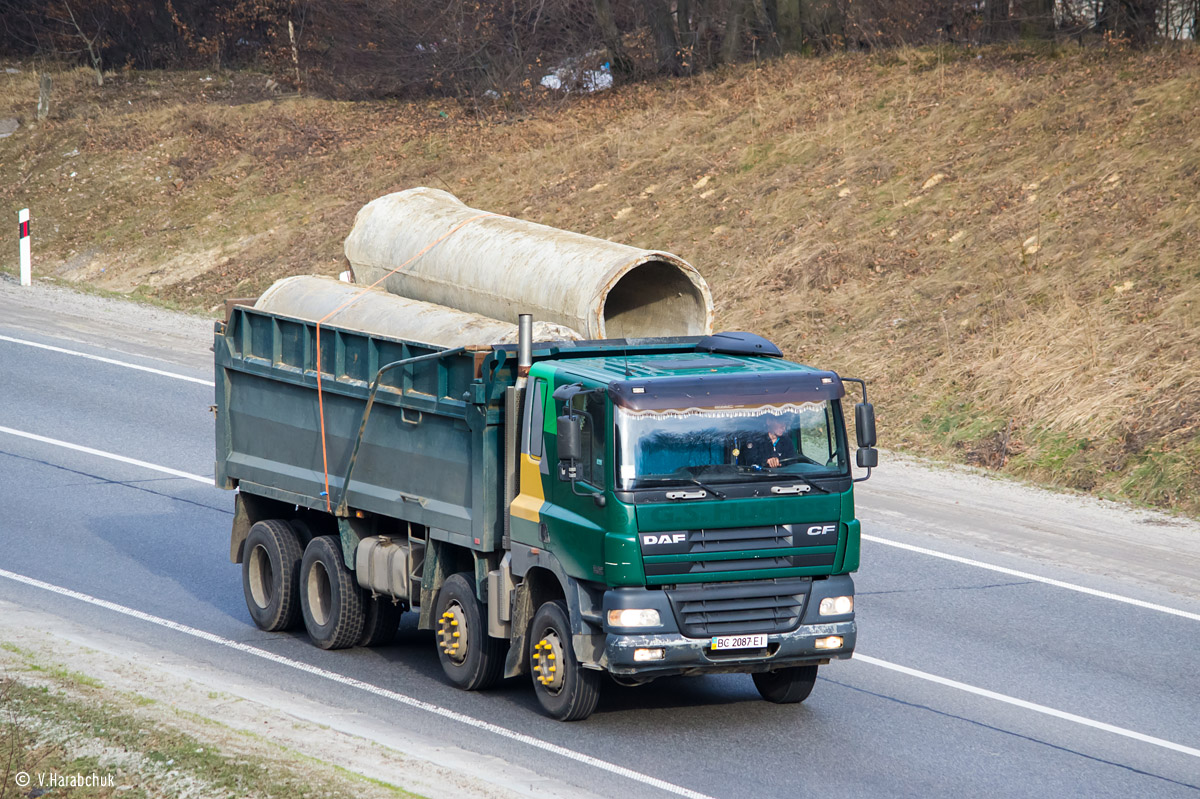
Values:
[(547, 662), (452, 633)]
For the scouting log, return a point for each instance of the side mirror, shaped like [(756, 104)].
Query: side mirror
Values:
[(570, 438), (567, 392), (864, 425), (867, 457)]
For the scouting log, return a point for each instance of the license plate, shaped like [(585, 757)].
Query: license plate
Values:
[(738, 642)]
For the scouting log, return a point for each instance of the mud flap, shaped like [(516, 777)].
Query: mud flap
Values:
[(432, 577), (522, 616)]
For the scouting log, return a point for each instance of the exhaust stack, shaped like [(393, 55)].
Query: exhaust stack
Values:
[(524, 343)]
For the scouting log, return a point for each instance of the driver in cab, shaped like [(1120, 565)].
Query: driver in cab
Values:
[(767, 451), (780, 449)]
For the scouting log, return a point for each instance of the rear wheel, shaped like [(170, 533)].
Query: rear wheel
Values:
[(471, 658), (786, 686), (566, 690), (330, 599), (380, 619), (271, 575)]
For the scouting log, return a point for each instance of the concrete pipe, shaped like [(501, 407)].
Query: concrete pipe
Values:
[(311, 297), (499, 266)]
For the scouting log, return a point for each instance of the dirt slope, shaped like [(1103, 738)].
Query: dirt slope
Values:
[(1003, 242)]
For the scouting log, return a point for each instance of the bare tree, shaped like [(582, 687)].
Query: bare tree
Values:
[(1036, 18), (764, 21), (996, 20), (622, 64), (666, 40)]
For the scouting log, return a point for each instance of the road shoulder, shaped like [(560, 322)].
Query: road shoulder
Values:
[(279, 734)]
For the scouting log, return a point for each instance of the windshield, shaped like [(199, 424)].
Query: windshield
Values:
[(727, 444)]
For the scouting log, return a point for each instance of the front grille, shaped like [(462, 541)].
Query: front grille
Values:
[(740, 538), (769, 606), (679, 567)]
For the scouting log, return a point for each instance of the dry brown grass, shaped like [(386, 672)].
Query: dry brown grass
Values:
[(1005, 243)]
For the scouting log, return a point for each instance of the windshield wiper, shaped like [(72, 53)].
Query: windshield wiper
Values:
[(764, 470), (678, 478), (706, 486)]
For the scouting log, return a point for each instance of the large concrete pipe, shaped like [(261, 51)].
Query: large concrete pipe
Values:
[(312, 297), (497, 266)]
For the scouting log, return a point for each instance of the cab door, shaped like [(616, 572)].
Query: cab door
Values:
[(574, 520), (533, 467)]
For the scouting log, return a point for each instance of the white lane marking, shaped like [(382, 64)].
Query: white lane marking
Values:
[(1027, 576), (102, 454), (102, 359), (921, 550), (418, 704), (587, 759), (1021, 703)]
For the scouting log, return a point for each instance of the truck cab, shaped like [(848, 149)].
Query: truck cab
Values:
[(699, 506)]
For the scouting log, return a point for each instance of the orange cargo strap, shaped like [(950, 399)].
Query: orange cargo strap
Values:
[(347, 303)]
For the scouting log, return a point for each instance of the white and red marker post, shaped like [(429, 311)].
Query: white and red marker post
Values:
[(26, 268)]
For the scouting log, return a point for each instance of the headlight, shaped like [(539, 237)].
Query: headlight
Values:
[(829, 642), (630, 617), (642, 655), (836, 605)]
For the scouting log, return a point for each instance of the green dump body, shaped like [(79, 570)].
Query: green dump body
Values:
[(685, 525), (431, 454)]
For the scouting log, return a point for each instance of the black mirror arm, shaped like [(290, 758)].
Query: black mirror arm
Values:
[(862, 384), (597, 495)]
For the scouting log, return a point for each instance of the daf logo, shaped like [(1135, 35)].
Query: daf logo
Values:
[(665, 538), (822, 529)]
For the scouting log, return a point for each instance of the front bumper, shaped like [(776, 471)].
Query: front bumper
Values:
[(692, 654)]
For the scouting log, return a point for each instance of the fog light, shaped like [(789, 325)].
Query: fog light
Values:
[(642, 655), (829, 642), (631, 617), (837, 605)]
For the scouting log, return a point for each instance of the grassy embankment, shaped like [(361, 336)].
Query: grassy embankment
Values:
[(1004, 243), (98, 743)]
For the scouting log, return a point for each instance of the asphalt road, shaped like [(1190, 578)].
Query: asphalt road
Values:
[(974, 675)]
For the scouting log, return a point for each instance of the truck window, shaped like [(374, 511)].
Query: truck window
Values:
[(816, 441), (536, 419), (731, 443), (591, 465)]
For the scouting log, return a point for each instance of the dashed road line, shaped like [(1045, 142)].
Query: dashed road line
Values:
[(102, 359), (1026, 705), (1027, 576), (428, 707), (99, 453)]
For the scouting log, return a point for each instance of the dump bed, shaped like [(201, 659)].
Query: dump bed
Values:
[(431, 452)]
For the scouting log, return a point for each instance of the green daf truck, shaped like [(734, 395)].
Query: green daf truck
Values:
[(563, 510)]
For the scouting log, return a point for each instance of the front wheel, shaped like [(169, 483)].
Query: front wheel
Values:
[(471, 658), (786, 686), (566, 690)]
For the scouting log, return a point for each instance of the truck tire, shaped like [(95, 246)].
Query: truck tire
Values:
[(786, 686), (471, 658), (330, 599), (566, 690), (271, 575), (380, 620)]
